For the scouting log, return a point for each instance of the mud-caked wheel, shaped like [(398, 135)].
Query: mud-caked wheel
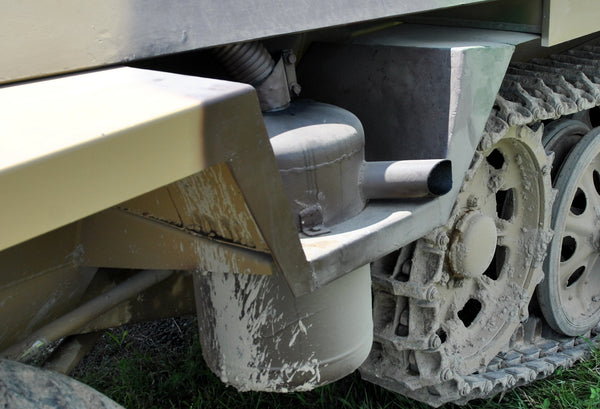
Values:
[(569, 297), (451, 301), (491, 262)]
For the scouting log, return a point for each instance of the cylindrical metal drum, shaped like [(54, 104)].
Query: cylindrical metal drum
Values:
[(256, 335)]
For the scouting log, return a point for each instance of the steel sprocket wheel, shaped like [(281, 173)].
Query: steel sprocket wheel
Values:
[(491, 260), (570, 295)]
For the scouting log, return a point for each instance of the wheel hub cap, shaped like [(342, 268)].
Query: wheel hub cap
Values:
[(473, 245)]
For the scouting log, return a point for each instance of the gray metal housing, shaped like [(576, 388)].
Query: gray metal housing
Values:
[(426, 94)]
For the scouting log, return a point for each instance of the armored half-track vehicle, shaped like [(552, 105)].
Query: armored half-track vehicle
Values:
[(408, 188)]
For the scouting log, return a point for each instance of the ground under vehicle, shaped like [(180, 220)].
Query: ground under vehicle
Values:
[(267, 223)]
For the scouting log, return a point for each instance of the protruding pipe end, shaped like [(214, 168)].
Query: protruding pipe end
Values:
[(439, 181), (404, 179)]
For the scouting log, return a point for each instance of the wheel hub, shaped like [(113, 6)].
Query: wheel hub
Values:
[(473, 244)]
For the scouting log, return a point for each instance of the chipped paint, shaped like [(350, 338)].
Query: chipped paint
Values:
[(211, 203), (300, 329)]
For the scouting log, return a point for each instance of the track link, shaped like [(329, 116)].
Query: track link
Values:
[(541, 90)]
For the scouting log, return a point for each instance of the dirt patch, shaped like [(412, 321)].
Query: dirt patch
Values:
[(172, 335)]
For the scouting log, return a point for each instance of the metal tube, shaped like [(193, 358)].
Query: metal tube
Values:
[(251, 63), (246, 62), (71, 351), (408, 178), (70, 322)]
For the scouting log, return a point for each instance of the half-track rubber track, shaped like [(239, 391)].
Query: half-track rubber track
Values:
[(540, 90)]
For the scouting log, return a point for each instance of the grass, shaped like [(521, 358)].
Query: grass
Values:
[(157, 375)]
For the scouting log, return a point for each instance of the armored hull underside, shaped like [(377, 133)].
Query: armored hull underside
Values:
[(72, 37)]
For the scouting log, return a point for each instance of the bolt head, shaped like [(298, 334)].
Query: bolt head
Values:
[(432, 294), (295, 88), (472, 201), (465, 389), (290, 58), (435, 342), (447, 374)]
